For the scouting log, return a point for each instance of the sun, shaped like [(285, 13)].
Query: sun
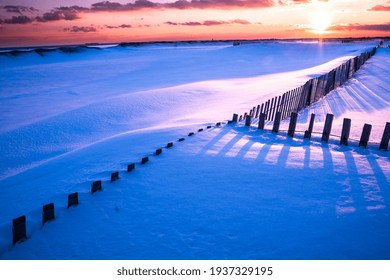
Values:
[(320, 22)]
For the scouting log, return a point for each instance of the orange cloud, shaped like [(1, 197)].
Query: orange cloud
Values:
[(380, 8)]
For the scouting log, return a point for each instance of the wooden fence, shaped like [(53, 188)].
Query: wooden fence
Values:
[(19, 232), (275, 109), (326, 132), (19, 224), (299, 98)]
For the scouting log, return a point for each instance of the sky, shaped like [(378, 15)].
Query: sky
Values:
[(52, 22)]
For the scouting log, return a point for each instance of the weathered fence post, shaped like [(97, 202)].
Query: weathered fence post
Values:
[(170, 145), (158, 152), (114, 176), (385, 138), (345, 132), (262, 121), (73, 199), (293, 124), (327, 128), (130, 167), (365, 135), (248, 120), (146, 159), (47, 213), (19, 229), (235, 118), (277, 122), (96, 186)]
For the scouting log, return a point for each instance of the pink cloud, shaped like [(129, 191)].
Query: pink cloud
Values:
[(380, 8)]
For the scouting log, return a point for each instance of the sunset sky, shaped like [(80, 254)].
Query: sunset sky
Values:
[(51, 22)]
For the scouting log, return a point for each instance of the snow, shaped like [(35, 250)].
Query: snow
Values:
[(230, 192)]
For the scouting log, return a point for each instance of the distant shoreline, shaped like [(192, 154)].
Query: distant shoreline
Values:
[(135, 44)]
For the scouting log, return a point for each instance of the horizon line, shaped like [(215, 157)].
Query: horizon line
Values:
[(124, 43)]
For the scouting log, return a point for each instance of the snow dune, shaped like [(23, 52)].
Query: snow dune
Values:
[(54, 104), (225, 193)]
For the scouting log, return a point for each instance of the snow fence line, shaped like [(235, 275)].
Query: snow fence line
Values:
[(299, 98), (326, 132), (19, 224), (275, 109), (19, 232)]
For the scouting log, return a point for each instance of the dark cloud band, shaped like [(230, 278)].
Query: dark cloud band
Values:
[(76, 29), (209, 22), (361, 27)]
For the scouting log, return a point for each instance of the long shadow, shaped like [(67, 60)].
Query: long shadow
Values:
[(364, 97), (263, 153), (245, 148), (328, 159), (283, 155), (357, 93), (230, 144), (306, 160), (355, 186), (383, 183), (215, 139)]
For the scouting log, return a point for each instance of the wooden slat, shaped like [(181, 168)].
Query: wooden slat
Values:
[(365, 137), (310, 129), (262, 118), (96, 186), (47, 213), (235, 118), (327, 128), (293, 124), (385, 138), (73, 199), (272, 109), (114, 176), (277, 122), (248, 120), (19, 229), (345, 132)]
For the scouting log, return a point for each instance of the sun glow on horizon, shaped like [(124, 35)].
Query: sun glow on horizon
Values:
[(320, 22), (48, 24)]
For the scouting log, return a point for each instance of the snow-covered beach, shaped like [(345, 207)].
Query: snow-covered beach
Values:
[(67, 119)]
